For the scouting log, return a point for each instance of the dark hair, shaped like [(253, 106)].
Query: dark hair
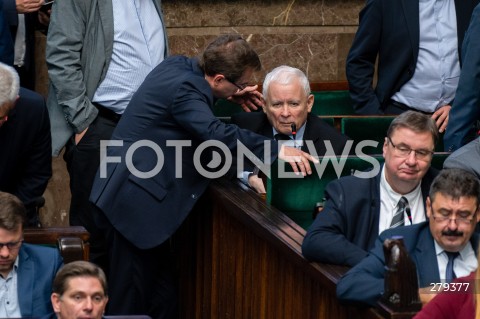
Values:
[(78, 269), (456, 183), (12, 212), (229, 55), (415, 121)]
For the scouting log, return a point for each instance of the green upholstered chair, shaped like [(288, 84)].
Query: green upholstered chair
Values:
[(332, 103), (297, 197), (438, 159), (362, 128)]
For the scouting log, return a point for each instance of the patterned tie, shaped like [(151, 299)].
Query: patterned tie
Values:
[(449, 273), (398, 217), (282, 137)]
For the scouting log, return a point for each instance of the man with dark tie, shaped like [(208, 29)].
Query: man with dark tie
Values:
[(358, 209), (442, 248), (286, 116)]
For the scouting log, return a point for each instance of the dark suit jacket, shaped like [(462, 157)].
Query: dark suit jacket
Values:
[(467, 157), (466, 107), (316, 131), (173, 103), (37, 267), (6, 42), (389, 28), (25, 141), (365, 282), (349, 220)]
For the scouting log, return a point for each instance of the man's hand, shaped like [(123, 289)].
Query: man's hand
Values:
[(248, 98), (79, 136), (256, 183), (426, 295), (27, 6), (441, 117), (299, 160)]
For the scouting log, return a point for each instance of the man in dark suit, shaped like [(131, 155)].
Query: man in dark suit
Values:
[(465, 113), (358, 209), (6, 43), (25, 140), (442, 248), (32, 267), (145, 196), (418, 47), (287, 102)]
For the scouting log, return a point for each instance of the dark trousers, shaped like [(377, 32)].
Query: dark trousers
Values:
[(83, 161), (395, 108), (141, 281)]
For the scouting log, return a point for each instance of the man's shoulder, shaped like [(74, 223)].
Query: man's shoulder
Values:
[(40, 251), (409, 233)]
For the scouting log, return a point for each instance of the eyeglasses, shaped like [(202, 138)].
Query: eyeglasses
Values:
[(12, 245), (240, 87), (405, 151), (445, 219)]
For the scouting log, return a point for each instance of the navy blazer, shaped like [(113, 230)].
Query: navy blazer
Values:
[(173, 104), (349, 220), (466, 106), (365, 282), (6, 41), (389, 29), (27, 165), (37, 267), (316, 130)]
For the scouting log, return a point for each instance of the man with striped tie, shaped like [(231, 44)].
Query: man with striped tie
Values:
[(442, 248), (358, 209)]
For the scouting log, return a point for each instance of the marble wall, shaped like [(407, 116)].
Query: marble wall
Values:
[(311, 35)]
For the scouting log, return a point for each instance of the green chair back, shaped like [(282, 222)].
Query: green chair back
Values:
[(363, 128), (332, 103)]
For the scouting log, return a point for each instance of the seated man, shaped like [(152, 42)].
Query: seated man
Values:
[(467, 157), (358, 209), (287, 102), (25, 141), (26, 271), (79, 291), (442, 248)]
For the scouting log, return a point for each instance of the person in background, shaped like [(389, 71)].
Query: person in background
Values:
[(442, 248), (26, 271), (358, 209), (287, 102), (466, 157), (6, 43), (25, 142), (465, 114), (98, 53), (171, 110), (418, 45), (79, 291)]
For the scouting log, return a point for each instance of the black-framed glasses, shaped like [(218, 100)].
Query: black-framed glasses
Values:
[(405, 151), (240, 87), (11, 245)]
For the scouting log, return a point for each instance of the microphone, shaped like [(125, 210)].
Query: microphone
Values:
[(294, 134), (409, 215)]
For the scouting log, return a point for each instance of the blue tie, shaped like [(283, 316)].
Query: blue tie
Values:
[(449, 273)]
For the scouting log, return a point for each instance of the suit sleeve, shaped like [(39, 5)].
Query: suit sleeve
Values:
[(466, 106), (360, 66), (6, 41), (64, 48), (193, 112), (38, 168), (364, 283), (325, 240)]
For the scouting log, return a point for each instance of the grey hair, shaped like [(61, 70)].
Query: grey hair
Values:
[(9, 84), (285, 75)]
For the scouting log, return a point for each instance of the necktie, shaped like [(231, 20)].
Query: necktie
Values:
[(398, 217), (282, 137), (449, 273)]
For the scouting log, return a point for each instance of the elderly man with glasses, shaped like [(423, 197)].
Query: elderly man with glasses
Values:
[(26, 271), (442, 248), (358, 209)]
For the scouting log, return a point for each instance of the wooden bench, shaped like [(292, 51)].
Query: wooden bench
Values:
[(71, 241)]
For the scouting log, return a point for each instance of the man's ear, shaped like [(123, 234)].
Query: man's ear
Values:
[(428, 205), (218, 79), (310, 102), (55, 298)]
